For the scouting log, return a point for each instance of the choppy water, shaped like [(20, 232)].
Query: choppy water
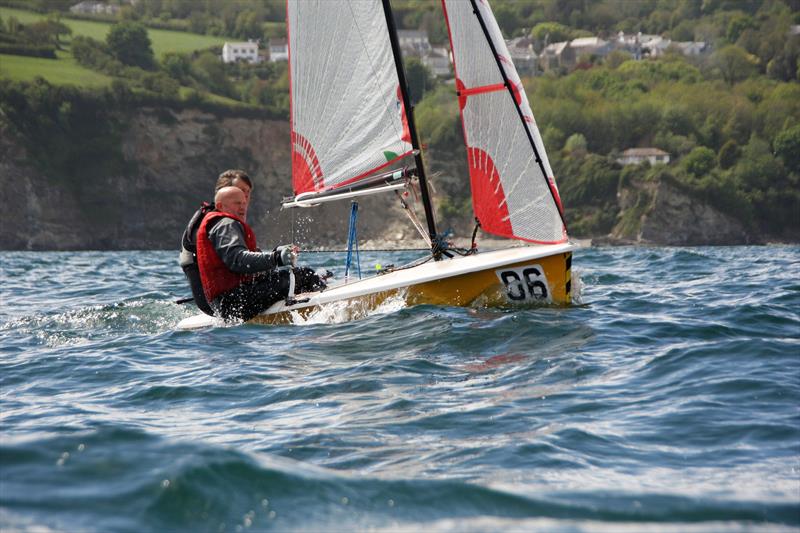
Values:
[(669, 400)]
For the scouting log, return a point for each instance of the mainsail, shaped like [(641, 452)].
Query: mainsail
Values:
[(514, 193), (348, 119)]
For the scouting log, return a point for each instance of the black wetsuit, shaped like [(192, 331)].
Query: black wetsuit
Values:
[(270, 284), (188, 258)]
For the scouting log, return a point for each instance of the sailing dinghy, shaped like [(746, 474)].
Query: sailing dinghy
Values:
[(353, 134)]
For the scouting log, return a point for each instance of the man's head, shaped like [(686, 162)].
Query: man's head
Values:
[(235, 178), (231, 200)]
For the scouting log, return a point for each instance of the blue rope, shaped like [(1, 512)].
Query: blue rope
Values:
[(352, 241)]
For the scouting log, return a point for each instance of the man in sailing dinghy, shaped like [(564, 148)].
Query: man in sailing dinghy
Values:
[(239, 280), (188, 256)]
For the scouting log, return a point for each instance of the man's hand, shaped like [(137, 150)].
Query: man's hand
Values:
[(287, 254)]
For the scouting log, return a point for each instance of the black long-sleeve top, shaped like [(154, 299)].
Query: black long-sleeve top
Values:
[(227, 237)]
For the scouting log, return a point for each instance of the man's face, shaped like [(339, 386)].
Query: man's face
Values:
[(244, 187), (233, 201)]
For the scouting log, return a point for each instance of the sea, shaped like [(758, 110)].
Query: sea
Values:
[(666, 398)]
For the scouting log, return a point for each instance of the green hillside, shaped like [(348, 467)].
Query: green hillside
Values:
[(162, 40), (64, 70)]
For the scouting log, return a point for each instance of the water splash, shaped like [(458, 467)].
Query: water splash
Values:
[(349, 310), (89, 323)]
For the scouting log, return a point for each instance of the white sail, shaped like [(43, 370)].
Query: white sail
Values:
[(513, 193), (347, 115)]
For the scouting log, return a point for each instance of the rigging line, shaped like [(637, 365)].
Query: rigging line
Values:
[(508, 82), (325, 251), (412, 128), (414, 219)]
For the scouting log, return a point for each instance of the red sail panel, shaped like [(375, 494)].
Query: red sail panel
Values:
[(498, 123)]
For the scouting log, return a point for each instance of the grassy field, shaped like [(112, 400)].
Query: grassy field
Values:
[(163, 40), (61, 71)]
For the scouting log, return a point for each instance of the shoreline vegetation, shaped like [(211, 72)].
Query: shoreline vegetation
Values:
[(729, 119)]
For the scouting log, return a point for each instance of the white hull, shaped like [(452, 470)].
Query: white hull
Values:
[(418, 276)]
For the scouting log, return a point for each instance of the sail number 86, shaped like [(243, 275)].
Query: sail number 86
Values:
[(527, 284)]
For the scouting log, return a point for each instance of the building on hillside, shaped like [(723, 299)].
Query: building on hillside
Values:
[(642, 45), (691, 48), (635, 156), (243, 51), (278, 50), (523, 56), (556, 55), (93, 7), (437, 60), (414, 42), (590, 46)]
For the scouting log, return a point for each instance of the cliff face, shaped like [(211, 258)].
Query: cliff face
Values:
[(661, 213), (150, 169), (169, 164)]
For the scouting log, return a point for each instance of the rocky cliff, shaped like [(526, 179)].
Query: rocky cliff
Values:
[(660, 212), (168, 163), (130, 179)]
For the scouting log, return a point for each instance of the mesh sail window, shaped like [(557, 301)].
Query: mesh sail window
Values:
[(514, 193), (347, 115)]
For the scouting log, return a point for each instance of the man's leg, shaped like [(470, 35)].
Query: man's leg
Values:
[(249, 299), (306, 280)]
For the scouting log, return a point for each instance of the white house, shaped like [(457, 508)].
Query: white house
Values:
[(246, 51), (691, 48), (592, 46), (438, 62), (635, 156), (414, 42), (522, 54), (93, 7), (278, 50), (553, 56)]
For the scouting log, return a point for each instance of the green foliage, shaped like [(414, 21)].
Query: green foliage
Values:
[(438, 119), (550, 32), (64, 130), (593, 182), (700, 161), (419, 78), (129, 43), (737, 25), (576, 145), (30, 50), (210, 72), (734, 64), (787, 147), (728, 154)]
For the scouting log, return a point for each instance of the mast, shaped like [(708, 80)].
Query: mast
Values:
[(507, 83), (412, 130)]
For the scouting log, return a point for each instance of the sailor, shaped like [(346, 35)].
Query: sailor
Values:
[(188, 255), (240, 281)]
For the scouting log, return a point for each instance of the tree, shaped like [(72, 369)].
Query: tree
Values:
[(177, 65), (737, 25), (700, 161), (129, 43), (419, 79), (734, 64), (576, 145), (787, 147), (550, 32), (728, 154)]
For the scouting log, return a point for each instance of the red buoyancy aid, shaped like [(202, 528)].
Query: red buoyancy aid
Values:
[(215, 276)]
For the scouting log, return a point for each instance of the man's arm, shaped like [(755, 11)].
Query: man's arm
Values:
[(227, 237)]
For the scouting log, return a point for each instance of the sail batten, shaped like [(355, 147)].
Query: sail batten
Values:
[(346, 116), (499, 129)]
